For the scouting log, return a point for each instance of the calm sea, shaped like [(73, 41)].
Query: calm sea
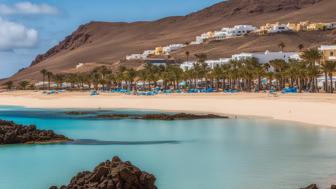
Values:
[(199, 154)]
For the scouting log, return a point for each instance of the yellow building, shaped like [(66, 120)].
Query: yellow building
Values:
[(303, 26), (158, 51), (210, 34), (328, 53), (293, 26), (266, 27), (316, 26), (298, 27)]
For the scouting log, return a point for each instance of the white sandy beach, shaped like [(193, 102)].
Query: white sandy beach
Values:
[(316, 109)]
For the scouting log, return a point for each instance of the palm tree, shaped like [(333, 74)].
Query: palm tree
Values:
[(143, 76), (279, 66), (24, 84), (49, 76), (59, 79), (325, 70), (82, 78), (201, 68), (43, 72), (187, 53), (217, 74), (260, 72), (312, 57), (235, 66), (270, 76), (176, 74), (129, 76), (9, 85), (166, 77), (153, 74), (225, 74), (110, 79), (330, 67), (281, 45)]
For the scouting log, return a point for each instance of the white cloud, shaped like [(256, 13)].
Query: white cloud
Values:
[(27, 8), (16, 36)]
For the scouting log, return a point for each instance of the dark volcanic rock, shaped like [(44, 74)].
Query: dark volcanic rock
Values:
[(114, 174), (11, 133), (164, 117), (114, 116), (312, 186), (180, 116), (78, 113)]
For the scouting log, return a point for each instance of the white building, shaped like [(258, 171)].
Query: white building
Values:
[(211, 63), (199, 40), (220, 35), (172, 47), (187, 65), (277, 28), (267, 56), (321, 81), (146, 53), (262, 57), (142, 56), (136, 57), (239, 30), (331, 26)]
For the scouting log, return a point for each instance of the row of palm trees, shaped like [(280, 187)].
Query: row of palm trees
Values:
[(245, 75)]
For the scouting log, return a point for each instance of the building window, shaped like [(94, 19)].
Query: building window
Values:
[(331, 53)]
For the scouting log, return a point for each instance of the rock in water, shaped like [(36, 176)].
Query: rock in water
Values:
[(163, 117), (11, 133), (312, 186), (114, 174)]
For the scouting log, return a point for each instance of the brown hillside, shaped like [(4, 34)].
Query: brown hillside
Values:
[(107, 43)]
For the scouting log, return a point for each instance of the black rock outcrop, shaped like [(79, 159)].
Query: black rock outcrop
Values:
[(163, 116), (114, 174), (314, 186), (11, 133)]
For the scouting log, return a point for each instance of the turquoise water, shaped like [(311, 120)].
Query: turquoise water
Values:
[(211, 154)]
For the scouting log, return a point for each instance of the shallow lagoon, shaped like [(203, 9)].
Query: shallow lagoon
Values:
[(214, 154)]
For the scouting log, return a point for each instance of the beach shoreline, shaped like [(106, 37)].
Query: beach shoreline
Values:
[(312, 109)]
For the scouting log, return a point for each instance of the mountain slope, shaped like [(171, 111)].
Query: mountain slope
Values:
[(107, 43)]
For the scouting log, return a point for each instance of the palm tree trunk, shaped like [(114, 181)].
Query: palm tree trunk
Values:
[(48, 83), (224, 84), (326, 82), (331, 83), (259, 83), (316, 85), (43, 81)]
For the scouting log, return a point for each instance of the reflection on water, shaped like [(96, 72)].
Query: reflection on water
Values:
[(198, 154)]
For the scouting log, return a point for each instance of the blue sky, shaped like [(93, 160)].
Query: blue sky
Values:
[(31, 27)]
